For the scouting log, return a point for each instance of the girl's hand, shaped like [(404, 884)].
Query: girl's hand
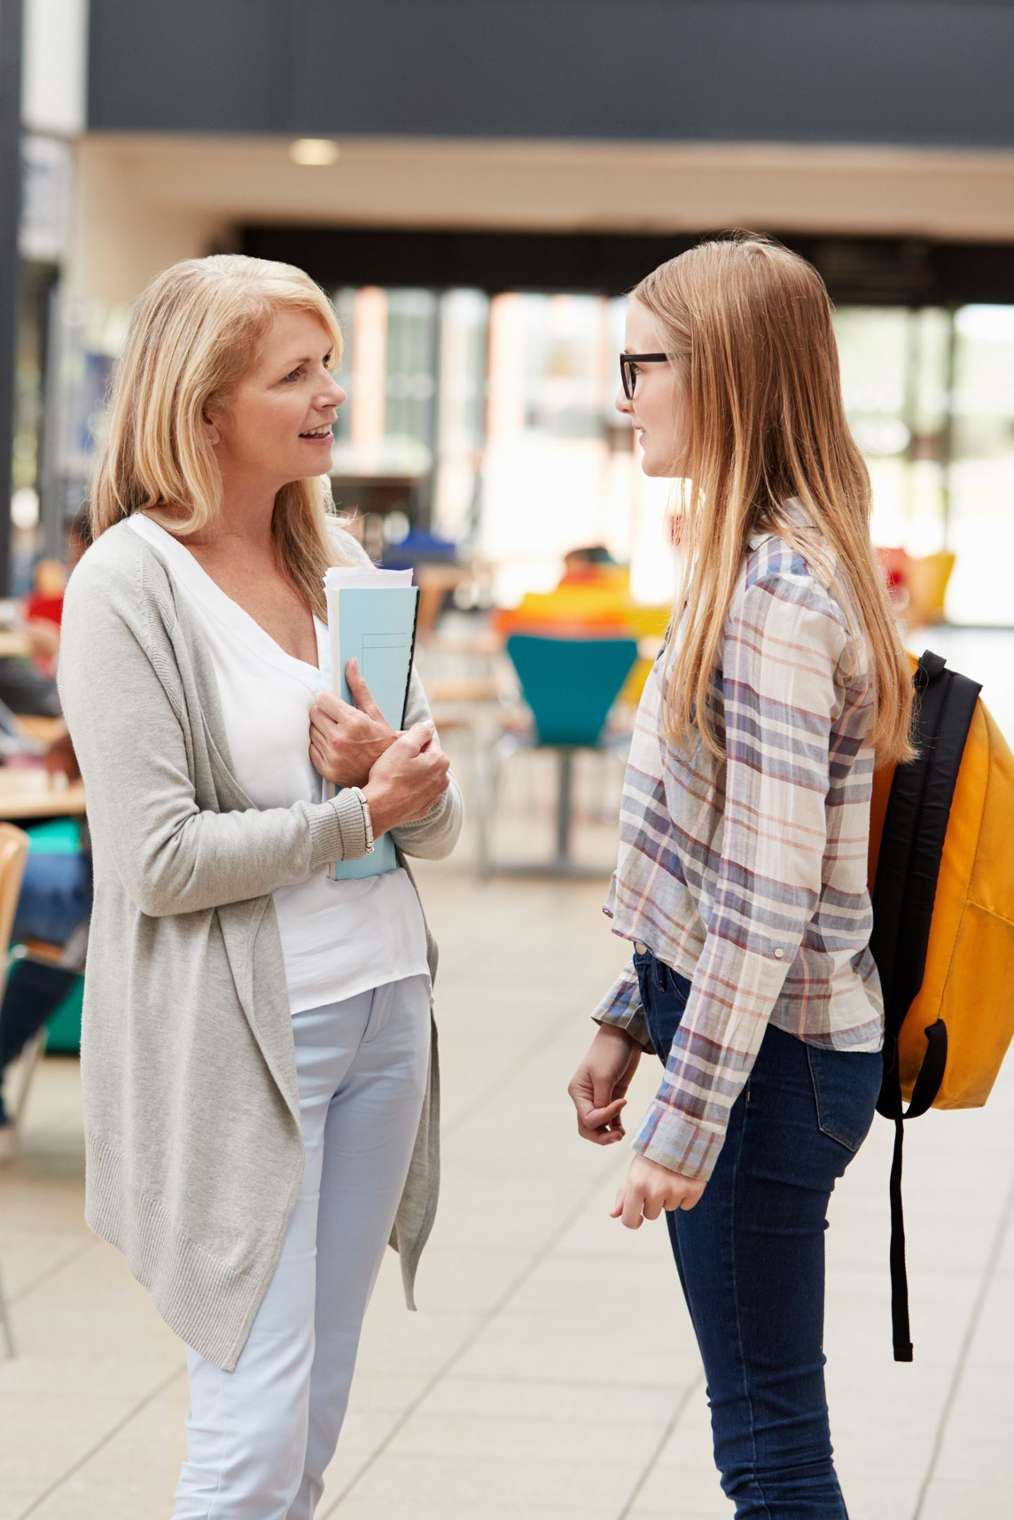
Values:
[(598, 1087), (650, 1188), (408, 780), (346, 741)]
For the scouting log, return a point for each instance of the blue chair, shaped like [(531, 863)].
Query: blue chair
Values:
[(570, 686)]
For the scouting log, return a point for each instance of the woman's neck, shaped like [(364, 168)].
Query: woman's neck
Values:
[(244, 518)]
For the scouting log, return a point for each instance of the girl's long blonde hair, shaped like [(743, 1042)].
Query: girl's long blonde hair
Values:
[(749, 323), (193, 333)]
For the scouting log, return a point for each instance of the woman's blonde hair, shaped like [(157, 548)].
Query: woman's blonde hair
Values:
[(193, 333), (749, 325)]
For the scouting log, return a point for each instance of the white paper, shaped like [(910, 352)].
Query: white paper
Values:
[(361, 575)]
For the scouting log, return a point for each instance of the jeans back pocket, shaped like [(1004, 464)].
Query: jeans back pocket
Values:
[(846, 1085)]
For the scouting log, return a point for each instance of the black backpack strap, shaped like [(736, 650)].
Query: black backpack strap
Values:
[(915, 826)]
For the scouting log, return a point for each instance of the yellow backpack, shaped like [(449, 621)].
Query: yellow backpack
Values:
[(942, 883)]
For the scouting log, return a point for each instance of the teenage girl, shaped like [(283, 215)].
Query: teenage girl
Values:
[(744, 825)]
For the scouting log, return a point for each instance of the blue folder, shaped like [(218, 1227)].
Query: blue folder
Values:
[(376, 627)]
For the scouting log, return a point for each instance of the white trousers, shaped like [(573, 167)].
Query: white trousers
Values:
[(259, 1438)]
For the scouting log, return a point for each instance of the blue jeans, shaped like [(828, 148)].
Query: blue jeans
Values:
[(750, 1258), (56, 896)]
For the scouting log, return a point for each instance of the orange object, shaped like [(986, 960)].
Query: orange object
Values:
[(968, 978)]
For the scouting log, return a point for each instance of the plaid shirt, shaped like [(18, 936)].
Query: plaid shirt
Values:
[(747, 875)]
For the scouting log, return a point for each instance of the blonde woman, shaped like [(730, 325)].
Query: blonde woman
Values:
[(258, 1066), (741, 877)]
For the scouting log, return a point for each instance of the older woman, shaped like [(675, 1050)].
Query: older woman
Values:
[(258, 1067)]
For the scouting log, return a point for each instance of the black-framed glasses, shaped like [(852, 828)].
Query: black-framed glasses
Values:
[(628, 369)]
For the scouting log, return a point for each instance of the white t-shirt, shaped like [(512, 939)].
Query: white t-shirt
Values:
[(339, 938)]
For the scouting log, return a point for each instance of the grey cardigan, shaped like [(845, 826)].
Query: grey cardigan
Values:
[(193, 1148)]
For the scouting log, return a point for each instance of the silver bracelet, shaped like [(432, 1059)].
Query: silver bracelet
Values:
[(367, 820)]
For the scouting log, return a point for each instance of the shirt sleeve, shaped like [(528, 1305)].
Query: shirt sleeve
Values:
[(781, 649), (622, 1008)]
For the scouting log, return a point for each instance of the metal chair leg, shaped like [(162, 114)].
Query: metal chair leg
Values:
[(6, 1325), (28, 1065), (488, 768), (564, 808)]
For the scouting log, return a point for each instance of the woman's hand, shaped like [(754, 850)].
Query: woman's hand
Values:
[(649, 1188), (60, 759), (408, 780), (346, 741), (598, 1087)]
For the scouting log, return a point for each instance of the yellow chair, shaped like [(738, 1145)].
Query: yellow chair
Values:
[(926, 582)]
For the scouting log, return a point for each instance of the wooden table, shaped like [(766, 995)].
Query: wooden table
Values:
[(13, 643), (31, 793), (45, 730), (462, 689)]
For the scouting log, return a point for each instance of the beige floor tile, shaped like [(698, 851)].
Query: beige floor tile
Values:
[(454, 1282), (44, 1199), (594, 1233), (43, 1437), (691, 1488), (365, 1434), (882, 1498), (572, 1287), (79, 1500), (993, 1342), (870, 1454), (550, 1402), (31, 1259), (976, 1445), (411, 1484), (963, 1499), (133, 1473), (520, 1346), (111, 1352), (977, 1457), (499, 1506), (15, 1500), (640, 1513), (406, 1342), (535, 1215), (487, 1437), (383, 1392)]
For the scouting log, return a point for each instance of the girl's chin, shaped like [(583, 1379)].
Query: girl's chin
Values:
[(653, 468)]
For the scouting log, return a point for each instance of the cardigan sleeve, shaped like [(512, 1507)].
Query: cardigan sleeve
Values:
[(121, 697)]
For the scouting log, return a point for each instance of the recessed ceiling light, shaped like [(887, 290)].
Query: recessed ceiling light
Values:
[(314, 151)]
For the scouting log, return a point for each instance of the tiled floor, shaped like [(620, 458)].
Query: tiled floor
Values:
[(550, 1370)]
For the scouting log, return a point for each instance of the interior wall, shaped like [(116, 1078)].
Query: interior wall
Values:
[(124, 231)]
